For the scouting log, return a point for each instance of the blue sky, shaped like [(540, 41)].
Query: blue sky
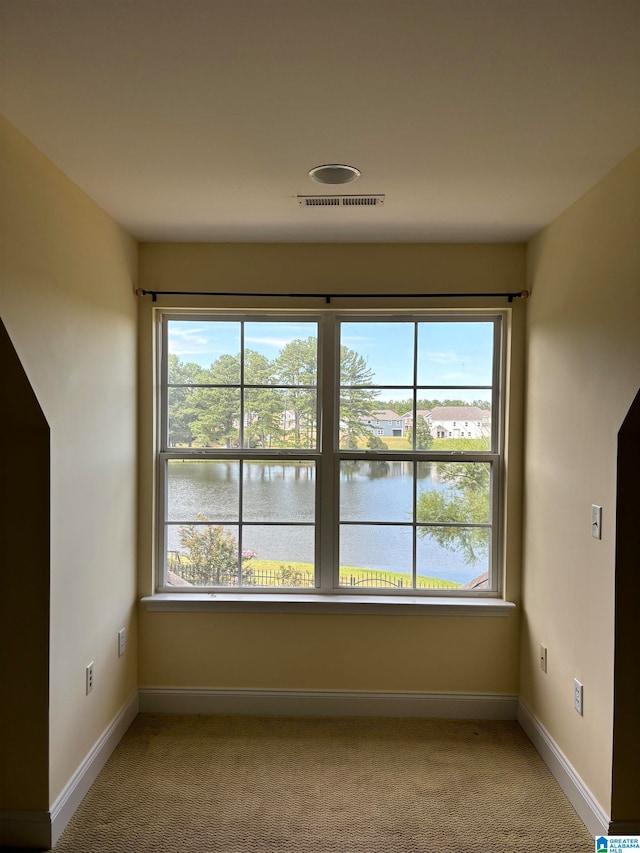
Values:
[(449, 353)]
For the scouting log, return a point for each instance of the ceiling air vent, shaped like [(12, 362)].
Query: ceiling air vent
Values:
[(340, 200)]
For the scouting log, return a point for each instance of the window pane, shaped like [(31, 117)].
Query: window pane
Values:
[(201, 343), (453, 555), (280, 418), (202, 555), (199, 490), (376, 353), (281, 353), (278, 555), (378, 490), (455, 353), (374, 418), (181, 418), (279, 491), (454, 419), (278, 575), (375, 555), (454, 492), (203, 417)]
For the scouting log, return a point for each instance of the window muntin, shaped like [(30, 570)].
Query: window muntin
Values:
[(295, 542)]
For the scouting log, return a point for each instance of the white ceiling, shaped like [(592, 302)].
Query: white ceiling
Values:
[(199, 119)]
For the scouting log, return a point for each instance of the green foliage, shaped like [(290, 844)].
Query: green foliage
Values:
[(216, 411), (274, 416), (293, 576), (179, 409), (212, 557), (262, 406), (297, 366), (402, 407), (466, 502), (374, 442), (356, 402), (424, 439)]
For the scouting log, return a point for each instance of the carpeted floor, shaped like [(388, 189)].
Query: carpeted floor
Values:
[(181, 784)]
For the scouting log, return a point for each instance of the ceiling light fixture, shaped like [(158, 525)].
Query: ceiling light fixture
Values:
[(334, 173)]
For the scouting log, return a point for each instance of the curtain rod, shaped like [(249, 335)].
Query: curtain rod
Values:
[(520, 294)]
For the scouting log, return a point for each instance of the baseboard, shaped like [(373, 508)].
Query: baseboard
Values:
[(580, 797), (327, 703), (84, 777), (19, 829)]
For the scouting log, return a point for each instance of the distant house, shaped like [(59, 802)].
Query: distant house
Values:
[(459, 422), (407, 420), (384, 423)]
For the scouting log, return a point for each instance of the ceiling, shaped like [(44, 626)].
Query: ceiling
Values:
[(480, 120)]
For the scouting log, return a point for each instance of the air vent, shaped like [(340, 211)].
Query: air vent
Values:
[(340, 200)]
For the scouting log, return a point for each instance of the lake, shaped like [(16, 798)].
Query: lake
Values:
[(283, 495)]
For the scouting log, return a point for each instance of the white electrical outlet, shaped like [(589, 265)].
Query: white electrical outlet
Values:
[(596, 521), (577, 695), (88, 674), (122, 642), (543, 657)]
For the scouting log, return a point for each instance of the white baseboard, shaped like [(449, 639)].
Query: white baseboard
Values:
[(327, 703), (580, 797), (25, 829), (84, 777)]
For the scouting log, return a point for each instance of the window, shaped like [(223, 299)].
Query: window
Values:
[(272, 478)]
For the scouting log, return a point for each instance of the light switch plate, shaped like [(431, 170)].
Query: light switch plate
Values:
[(596, 521)]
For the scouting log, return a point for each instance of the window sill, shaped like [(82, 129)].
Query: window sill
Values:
[(329, 604)]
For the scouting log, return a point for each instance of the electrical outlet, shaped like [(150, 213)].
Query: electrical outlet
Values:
[(89, 678), (543, 658), (577, 695), (122, 642)]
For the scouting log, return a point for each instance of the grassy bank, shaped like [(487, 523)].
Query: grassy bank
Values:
[(360, 576)]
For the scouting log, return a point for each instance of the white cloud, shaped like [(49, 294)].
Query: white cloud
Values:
[(269, 342), (191, 341), (444, 357)]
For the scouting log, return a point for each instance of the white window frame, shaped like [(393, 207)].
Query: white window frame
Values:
[(328, 455)]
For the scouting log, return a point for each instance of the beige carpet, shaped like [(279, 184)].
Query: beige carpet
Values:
[(181, 784)]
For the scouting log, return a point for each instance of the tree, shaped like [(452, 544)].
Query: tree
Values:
[(356, 402), (212, 555), (179, 404), (262, 406), (466, 502), (374, 442), (424, 439), (217, 410), (296, 368)]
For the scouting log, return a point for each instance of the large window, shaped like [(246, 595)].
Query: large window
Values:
[(333, 453)]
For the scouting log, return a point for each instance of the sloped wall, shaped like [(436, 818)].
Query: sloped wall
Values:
[(67, 299)]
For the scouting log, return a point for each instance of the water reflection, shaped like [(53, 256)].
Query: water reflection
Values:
[(284, 494)]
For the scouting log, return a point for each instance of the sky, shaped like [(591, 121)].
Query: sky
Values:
[(448, 353)]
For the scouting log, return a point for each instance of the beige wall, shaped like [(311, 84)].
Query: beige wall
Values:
[(583, 373), (66, 297), (465, 654)]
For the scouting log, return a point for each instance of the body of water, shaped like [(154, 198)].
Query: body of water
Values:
[(283, 494)]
